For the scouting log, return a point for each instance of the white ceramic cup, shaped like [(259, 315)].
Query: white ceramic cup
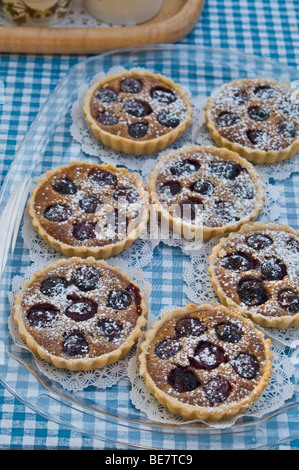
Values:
[(123, 12)]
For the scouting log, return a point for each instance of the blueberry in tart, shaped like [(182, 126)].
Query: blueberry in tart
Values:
[(84, 209), (205, 362), (256, 271), (257, 118), (204, 191), (80, 314), (137, 112)]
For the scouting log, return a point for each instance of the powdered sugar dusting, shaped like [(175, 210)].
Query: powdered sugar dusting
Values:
[(80, 305), (226, 194), (144, 108), (280, 259), (109, 211)]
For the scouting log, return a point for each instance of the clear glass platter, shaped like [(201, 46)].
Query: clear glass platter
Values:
[(107, 414)]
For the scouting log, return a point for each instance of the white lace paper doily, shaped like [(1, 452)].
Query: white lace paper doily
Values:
[(196, 133), (77, 380), (280, 389)]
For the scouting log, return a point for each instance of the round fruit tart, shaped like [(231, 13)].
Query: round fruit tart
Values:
[(204, 191), (256, 271), (257, 118), (205, 362), (80, 314), (137, 112), (86, 209)]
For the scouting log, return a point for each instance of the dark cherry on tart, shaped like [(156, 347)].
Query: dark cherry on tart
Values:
[(87, 209), (257, 270), (137, 112), (205, 362), (257, 118), (80, 314), (205, 188)]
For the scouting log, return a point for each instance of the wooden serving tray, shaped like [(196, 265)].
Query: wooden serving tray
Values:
[(174, 21)]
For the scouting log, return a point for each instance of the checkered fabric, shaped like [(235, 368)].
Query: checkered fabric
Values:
[(267, 28)]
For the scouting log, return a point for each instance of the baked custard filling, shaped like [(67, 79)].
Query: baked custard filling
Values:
[(256, 114), (137, 108), (205, 362), (79, 312), (92, 209), (258, 270)]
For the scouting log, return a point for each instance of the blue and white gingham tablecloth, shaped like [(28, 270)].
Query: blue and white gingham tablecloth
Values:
[(267, 28)]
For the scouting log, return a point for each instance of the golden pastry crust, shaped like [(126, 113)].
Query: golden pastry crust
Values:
[(230, 194), (270, 268), (95, 349), (104, 241), (114, 133), (257, 118), (197, 400)]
